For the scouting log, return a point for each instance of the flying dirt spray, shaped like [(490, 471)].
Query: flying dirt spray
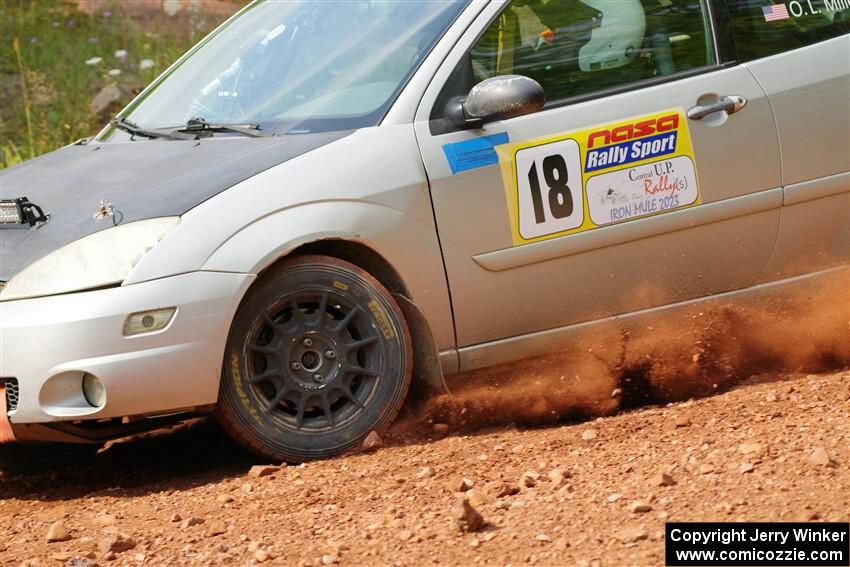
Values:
[(674, 355)]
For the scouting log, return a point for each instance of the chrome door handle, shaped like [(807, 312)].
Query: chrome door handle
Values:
[(728, 104)]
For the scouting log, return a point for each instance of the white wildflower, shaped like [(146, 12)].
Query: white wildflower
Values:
[(121, 54), (113, 72), (171, 7), (94, 61), (145, 64)]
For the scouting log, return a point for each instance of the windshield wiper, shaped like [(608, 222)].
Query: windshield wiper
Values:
[(135, 130), (199, 125)]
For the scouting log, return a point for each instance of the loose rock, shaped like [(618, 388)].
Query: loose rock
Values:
[(115, 544), (425, 472), (500, 489), (57, 532), (476, 497), (529, 479), (662, 479), (372, 442), (558, 477), (682, 421), (216, 528), (193, 521), (632, 535), (259, 471), (641, 508), (588, 435), (820, 457), (466, 518)]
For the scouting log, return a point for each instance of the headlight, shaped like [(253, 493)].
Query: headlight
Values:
[(97, 260)]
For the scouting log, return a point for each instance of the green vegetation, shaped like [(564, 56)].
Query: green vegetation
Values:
[(64, 72)]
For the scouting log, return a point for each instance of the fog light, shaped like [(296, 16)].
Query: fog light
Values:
[(93, 391), (148, 321)]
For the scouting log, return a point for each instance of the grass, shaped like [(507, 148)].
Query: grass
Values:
[(46, 85)]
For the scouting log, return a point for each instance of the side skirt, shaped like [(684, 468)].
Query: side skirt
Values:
[(544, 342)]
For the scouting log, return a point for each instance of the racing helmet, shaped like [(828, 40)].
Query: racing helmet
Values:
[(617, 39)]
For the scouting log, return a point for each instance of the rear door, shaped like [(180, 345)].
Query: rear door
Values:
[(610, 199), (800, 53)]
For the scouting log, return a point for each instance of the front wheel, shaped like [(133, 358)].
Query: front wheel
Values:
[(318, 356)]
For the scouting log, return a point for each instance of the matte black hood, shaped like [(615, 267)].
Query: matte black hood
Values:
[(141, 179)]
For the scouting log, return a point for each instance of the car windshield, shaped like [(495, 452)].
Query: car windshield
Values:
[(298, 67)]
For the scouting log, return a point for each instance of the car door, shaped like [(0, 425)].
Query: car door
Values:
[(618, 75), (801, 57)]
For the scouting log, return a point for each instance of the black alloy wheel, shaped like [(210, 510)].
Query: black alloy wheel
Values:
[(318, 355)]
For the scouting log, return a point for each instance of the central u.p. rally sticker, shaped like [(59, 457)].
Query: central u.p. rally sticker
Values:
[(607, 174)]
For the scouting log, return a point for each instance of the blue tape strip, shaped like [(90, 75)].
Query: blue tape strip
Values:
[(471, 154)]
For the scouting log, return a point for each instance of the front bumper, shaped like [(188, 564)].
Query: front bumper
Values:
[(47, 344)]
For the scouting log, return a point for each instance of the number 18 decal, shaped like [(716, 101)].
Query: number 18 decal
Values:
[(549, 188)]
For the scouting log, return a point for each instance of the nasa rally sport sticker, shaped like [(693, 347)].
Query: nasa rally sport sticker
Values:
[(599, 176)]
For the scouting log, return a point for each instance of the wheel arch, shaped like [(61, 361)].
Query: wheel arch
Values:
[(397, 247), (427, 372), (358, 254)]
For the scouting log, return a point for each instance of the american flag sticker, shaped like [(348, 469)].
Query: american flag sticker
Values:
[(775, 12)]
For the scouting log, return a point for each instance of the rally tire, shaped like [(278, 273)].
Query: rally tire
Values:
[(318, 355)]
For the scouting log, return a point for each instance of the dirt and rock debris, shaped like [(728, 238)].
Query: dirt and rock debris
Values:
[(696, 351), (586, 493), (578, 458)]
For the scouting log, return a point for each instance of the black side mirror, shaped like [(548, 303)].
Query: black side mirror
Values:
[(496, 98)]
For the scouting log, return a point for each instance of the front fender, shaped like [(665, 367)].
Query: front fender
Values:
[(389, 232)]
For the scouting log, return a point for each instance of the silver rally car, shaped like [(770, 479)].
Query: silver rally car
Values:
[(324, 203)]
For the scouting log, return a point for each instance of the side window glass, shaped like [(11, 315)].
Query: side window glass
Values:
[(765, 27), (574, 47)]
